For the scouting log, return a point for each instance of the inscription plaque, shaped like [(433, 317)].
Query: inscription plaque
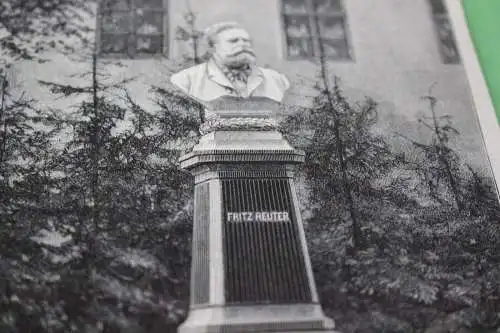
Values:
[(264, 261)]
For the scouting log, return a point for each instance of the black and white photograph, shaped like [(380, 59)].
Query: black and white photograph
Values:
[(250, 166)]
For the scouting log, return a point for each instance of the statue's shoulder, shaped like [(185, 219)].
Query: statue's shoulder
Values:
[(184, 79), (276, 76), (196, 69), (270, 72)]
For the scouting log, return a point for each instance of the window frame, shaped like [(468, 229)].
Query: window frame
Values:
[(445, 16), (131, 52), (314, 36)]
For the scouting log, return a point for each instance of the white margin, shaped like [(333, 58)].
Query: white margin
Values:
[(480, 93)]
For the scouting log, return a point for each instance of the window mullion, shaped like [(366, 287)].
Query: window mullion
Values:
[(440, 15), (311, 13), (133, 31), (165, 28)]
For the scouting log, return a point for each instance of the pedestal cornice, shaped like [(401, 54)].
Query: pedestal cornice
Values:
[(196, 158), (241, 147)]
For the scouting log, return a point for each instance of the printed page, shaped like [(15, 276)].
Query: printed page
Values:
[(246, 166)]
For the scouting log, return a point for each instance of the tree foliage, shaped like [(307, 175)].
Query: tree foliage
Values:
[(29, 27), (422, 268), (344, 158), (115, 197), (24, 188), (191, 36)]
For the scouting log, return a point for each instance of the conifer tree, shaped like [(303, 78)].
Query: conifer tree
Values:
[(25, 188), (30, 27)]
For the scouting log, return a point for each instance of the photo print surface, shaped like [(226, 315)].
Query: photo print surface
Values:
[(175, 166)]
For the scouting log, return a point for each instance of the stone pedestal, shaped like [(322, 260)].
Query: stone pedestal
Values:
[(251, 270)]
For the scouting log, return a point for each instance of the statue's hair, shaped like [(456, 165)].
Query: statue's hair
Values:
[(210, 33)]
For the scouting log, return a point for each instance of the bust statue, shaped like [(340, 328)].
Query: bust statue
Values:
[(231, 69)]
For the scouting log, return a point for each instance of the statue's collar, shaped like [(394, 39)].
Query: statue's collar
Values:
[(216, 74)]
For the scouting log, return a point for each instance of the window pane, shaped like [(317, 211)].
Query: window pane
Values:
[(149, 44), (295, 6), (450, 52), (327, 6), (297, 26), (444, 28), (299, 47), (149, 22), (149, 3), (111, 43), (336, 49), (438, 6), (331, 27), (116, 4), (115, 22)]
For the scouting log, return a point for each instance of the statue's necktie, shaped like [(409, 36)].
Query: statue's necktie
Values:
[(239, 78)]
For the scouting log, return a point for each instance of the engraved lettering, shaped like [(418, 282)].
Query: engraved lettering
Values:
[(286, 217), (257, 217)]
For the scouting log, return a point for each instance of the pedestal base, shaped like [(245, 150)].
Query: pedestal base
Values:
[(258, 319)]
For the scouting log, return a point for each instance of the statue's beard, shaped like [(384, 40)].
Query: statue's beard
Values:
[(238, 65)]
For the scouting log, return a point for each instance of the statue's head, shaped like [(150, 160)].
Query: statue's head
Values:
[(230, 44)]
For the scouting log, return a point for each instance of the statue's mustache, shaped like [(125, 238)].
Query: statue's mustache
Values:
[(242, 52)]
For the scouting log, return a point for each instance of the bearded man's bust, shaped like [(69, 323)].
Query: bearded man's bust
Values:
[(231, 70)]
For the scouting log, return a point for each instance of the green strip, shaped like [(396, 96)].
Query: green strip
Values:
[(483, 20)]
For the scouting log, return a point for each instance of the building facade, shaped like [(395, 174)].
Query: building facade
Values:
[(391, 50)]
